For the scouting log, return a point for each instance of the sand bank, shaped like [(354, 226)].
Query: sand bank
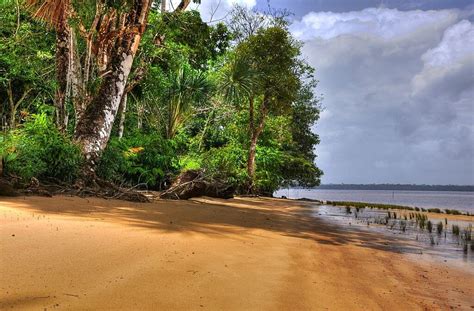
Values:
[(241, 254)]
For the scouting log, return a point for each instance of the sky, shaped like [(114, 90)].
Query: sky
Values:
[(397, 78)]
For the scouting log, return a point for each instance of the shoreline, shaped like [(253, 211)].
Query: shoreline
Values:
[(383, 206), (243, 253)]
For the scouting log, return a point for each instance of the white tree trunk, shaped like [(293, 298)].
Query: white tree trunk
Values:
[(93, 129), (123, 111), (95, 125)]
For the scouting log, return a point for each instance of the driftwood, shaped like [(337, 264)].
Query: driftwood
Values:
[(194, 183)]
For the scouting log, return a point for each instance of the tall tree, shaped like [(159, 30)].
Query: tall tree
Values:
[(111, 42), (272, 53), (26, 61)]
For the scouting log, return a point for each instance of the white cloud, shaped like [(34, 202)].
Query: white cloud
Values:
[(379, 22), (457, 43), (453, 55)]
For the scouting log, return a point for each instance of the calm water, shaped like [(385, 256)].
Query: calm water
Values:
[(409, 237), (427, 199)]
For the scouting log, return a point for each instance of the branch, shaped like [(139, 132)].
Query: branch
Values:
[(22, 98), (183, 5)]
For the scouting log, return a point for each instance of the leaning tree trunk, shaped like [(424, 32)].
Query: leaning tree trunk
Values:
[(123, 112), (94, 127)]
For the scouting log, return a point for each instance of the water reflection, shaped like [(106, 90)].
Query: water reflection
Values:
[(410, 227)]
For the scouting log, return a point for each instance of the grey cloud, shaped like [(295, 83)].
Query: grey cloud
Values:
[(376, 128)]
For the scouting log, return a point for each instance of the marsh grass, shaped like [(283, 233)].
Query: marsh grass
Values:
[(455, 230), (421, 223), (392, 206), (429, 226), (403, 225), (439, 227), (467, 234)]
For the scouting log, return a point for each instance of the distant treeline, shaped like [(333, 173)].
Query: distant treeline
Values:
[(400, 187)]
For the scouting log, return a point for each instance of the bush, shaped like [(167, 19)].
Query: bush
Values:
[(227, 164), (138, 159), (269, 175), (38, 149)]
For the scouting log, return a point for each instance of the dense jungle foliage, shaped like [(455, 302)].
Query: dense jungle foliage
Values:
[(238, 103)]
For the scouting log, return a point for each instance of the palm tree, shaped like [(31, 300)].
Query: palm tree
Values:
[(237, 80), (56, 13), (188, 89), (239, 83)]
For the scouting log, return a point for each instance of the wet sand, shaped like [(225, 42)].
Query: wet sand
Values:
[(243, 254)]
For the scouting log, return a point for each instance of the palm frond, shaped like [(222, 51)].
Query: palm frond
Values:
[(237, 80), (49, 11)]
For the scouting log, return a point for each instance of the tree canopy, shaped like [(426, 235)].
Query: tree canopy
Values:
[(140, 102)]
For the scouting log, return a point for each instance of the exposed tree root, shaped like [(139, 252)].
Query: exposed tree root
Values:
[(92, 188), (194, 183)]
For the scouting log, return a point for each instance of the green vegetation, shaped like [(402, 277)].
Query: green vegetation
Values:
[(237, 103), (455, 230), (439, 227), (38, 149), (453, 212), (391, 206), (369, 205), (429, 226)]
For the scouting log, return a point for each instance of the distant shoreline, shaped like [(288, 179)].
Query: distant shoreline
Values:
[(395, 187)]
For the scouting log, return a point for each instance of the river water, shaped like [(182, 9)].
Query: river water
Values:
[(427, 199)]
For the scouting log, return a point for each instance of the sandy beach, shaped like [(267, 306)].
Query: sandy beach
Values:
[(71, 253)]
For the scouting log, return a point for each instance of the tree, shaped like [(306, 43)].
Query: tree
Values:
[(245, 22), (111, 43), (26, 60), (187, 87), (274, 55)]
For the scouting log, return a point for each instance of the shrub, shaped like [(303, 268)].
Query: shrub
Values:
[(138, 159), (38, 149), (269, 175), (228, 164)]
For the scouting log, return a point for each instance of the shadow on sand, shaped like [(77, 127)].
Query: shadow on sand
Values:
[(218, 217)]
